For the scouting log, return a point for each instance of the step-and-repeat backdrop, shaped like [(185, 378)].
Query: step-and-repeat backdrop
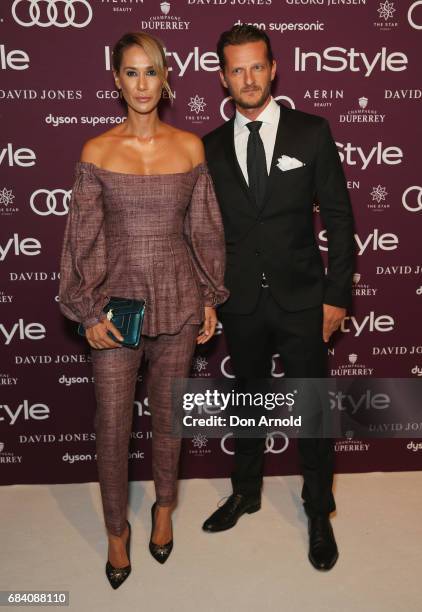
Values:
[(355, 62)]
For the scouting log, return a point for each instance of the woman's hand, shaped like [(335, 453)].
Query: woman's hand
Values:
[(208, 327), (99, 339)]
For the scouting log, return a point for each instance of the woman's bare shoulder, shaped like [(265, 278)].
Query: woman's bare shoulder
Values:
[(95, 149), (190, 144)]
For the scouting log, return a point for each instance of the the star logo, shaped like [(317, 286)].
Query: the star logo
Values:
[(197, 104), (379, 194), (200, 364), (386, 10), (199, 440), (6, 196)]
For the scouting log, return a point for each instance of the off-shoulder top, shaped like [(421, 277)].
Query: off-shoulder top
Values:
[(159, 237)]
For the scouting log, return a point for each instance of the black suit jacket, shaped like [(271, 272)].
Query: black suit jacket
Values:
[(279, 239)]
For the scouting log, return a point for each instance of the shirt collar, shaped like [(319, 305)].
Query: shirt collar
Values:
[(269, 115)]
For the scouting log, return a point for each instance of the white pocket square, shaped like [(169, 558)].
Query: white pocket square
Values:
[(289, 163)]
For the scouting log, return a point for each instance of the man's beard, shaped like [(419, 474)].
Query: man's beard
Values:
[(247, 105)]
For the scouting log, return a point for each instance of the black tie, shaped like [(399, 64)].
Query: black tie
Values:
[(256, 163)]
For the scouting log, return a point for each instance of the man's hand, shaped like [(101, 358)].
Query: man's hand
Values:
[(208, 328), (99, 339), (333, 316)]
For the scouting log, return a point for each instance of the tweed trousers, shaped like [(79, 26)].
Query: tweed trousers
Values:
[(168, 356)]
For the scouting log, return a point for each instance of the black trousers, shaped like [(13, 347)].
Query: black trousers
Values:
[(252, 340)]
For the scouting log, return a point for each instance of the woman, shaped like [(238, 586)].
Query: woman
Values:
[(143, 223)]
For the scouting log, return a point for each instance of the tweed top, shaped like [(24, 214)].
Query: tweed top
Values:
[(158, 237)]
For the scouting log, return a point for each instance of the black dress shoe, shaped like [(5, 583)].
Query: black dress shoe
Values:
[(323, 551), (117, 575), (229, 513), (160, 552)]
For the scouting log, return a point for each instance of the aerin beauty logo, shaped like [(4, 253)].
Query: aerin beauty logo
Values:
[(123, 6), (322, 98)]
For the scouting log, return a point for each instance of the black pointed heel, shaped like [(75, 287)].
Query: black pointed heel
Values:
[(117, 575), (160, 552)]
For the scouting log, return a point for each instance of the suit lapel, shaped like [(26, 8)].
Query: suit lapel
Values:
[(231, 158)]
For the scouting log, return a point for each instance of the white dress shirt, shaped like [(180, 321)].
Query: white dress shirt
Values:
[(270, 117)]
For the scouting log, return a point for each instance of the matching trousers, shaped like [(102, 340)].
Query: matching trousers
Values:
[(115, 372), (252, 340)]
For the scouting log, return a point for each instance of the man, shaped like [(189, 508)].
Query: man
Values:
[(269, 163)]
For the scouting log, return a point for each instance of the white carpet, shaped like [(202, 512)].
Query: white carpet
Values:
[(52, 537)]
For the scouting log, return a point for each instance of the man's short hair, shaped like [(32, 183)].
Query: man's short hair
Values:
[(239, 35)]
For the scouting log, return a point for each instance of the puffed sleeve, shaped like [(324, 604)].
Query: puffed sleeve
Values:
[(83, 258), (205, 236)]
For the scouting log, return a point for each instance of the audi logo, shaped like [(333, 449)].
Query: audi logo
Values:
[(77, 13), (274, 373), (225, 100), (270, 443), (417, 205), (50, 204), (410, 15)]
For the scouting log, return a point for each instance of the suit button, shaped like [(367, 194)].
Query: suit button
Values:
[(261, 223)]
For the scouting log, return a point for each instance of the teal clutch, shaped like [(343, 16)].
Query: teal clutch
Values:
[(128, 316)]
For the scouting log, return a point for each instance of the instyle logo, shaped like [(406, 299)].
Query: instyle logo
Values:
[(16, 59), (370, 323), (339, 59), (22, 331), (25, 246), (179, 63), (352, 155), (24, 412), (374, 241), (22, 157), (56, 202), (46, 13)]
